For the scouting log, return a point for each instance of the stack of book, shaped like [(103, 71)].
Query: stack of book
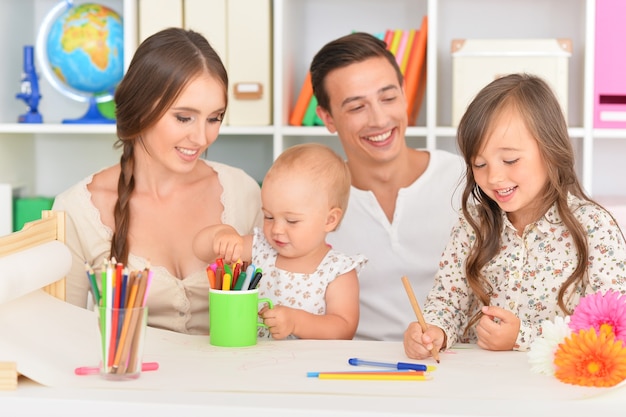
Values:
[(409, 48)]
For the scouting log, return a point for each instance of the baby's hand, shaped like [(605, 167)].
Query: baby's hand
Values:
[(228, 245), (279, 320)]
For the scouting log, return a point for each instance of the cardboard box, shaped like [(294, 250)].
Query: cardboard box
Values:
[(477, 62)]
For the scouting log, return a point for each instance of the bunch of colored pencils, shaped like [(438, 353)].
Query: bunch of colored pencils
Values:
[(121, 299)]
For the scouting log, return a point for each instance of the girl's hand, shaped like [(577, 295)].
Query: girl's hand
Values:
[(418, 345), (497, 329)]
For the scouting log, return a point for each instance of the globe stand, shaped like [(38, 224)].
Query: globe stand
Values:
[(33, 116), (92, 116)]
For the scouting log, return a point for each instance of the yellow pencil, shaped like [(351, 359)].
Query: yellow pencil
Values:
[(382, 376), (418, 313)]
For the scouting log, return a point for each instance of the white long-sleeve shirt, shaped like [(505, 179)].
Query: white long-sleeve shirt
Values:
[(410, 245)]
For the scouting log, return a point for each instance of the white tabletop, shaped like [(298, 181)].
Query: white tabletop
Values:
[(34, 399), (269, 379)]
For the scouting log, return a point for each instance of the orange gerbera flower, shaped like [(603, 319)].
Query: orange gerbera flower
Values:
[(592, 359)]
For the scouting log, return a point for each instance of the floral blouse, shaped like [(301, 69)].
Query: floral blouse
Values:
[(527, 273), (298, 290)]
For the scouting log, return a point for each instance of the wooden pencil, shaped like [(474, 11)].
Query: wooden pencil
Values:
[(137, 335), (418, 313)]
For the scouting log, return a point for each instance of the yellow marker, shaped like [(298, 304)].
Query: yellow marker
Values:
[(226, 282)]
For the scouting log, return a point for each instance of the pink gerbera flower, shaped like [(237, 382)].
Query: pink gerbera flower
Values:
[(595, 310)]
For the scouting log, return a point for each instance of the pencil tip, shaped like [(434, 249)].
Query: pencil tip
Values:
[(438, 361)]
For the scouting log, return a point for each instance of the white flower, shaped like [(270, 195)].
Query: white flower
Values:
[(542, 349)]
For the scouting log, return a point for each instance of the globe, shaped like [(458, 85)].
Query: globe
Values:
[(80, 49)]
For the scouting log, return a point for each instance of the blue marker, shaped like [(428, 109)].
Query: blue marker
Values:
[(398, 365)]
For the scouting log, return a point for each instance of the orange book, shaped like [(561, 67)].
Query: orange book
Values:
[(415, 72), (419, 98), (306, 92)]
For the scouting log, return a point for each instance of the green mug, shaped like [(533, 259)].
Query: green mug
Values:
[(234, 317)]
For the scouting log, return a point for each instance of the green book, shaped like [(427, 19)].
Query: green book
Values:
[(309, 115)]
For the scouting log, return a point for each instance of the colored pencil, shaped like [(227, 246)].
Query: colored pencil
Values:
[(91, 275), (386, 372), (418, 313), (382, 376)]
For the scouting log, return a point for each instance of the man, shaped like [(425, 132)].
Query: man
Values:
[(403, 201)]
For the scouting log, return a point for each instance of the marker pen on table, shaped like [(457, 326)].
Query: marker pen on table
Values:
[(397, 365)]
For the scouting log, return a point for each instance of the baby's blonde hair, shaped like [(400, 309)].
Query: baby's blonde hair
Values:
[(323, 166)]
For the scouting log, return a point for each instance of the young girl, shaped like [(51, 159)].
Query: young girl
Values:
[(530, 242), (314, 288)]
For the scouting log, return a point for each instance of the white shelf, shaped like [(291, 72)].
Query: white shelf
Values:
[(57, 128), (609, 134), (297, 37)]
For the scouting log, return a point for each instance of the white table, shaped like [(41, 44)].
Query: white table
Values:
[(269, 379), (32, 399)]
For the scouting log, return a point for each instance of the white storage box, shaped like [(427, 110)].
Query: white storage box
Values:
[(477, 62)]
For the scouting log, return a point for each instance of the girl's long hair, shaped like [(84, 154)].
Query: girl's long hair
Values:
[(541, 112)]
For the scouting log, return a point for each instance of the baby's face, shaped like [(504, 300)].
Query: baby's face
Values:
[(295, 214)]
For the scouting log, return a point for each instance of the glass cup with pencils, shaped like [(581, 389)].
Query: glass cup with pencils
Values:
[(122, 333), (122, 320)]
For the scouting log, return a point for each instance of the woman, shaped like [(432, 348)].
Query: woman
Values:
[(147, 209)]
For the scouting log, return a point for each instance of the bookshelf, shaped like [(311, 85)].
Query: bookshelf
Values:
[(45, 159)]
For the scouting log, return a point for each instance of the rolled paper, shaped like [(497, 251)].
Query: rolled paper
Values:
[(33, 268)]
